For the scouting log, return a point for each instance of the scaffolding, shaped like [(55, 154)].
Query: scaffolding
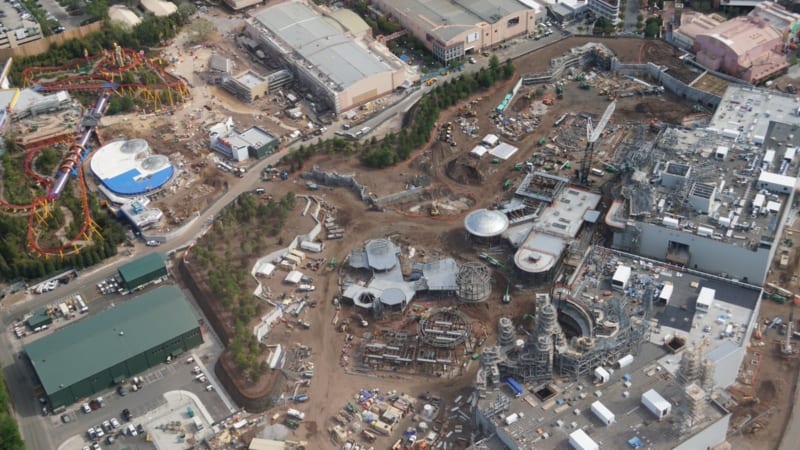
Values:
[(474, 282), (443, 328), (609, 335)]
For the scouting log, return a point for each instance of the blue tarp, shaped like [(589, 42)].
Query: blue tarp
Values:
[(635, 442)]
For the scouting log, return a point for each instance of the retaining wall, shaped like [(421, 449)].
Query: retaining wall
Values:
[(669, 82)]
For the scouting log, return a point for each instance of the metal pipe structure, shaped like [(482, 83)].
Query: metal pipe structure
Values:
[(73, 157)]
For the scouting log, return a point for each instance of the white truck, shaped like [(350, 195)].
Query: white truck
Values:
[(295, 414)]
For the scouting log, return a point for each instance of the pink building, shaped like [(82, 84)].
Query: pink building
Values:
[(694, 23), (748, 48)]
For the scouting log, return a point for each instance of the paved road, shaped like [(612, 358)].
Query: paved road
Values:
[(631, 14)]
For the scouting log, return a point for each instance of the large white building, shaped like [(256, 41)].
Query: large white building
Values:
[(452, 28), (342, 71)]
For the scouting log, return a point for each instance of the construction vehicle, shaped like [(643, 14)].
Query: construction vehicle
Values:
[(430, 82), (542, 141), (592, 135), (754, 428), (507, 184), (506, 296), (517, 166), (585, 86), (787, 350), (560, 90), (580, 77), (434, 208), (491, 260)]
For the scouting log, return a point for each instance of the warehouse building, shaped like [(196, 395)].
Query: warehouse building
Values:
[(136, 274), (96, 353), (453, 28), (341, 69)]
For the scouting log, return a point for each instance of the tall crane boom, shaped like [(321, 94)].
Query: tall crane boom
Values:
[(601, 125), (592, 135)]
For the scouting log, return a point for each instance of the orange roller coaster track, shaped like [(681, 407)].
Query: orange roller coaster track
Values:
[(40, 209)]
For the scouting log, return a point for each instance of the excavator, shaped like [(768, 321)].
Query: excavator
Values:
[(434, 208)]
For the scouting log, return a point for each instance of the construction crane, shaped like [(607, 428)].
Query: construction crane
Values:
[(592, 135)]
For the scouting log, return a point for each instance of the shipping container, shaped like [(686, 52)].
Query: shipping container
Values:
[(624, 361), (604, 414), (621, 278), (656, 404), (314, 247), (515, 386), (579, 440)]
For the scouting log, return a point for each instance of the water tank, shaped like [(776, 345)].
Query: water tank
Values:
[(422, 427), (519, 344)]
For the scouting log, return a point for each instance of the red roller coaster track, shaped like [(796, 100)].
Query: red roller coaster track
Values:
[(105, 70)]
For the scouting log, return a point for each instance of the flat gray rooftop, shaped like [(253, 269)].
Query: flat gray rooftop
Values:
[(335, 56), (726, 184), (557, 417), (250, 79), (257, 137), (750, 110)]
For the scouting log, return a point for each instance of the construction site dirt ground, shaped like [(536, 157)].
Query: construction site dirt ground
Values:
[(775, 383), (409, 222)]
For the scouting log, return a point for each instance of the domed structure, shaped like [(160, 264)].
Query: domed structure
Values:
[(485, 223), (128, 168)]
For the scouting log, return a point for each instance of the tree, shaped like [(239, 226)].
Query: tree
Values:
[(97, 9), (508, 69), (200, 31), (494, 62)]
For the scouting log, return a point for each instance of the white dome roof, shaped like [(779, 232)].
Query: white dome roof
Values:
[(486, 223)]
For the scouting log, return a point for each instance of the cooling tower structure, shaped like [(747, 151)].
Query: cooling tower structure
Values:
[(474, 282), (505, 332)]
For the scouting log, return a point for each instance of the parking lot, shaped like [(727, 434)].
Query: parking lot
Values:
[(10, 17), (165, 396), (69, 428), (60, 14)]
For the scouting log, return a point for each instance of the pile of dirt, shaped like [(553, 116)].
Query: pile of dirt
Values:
[(464, 170)]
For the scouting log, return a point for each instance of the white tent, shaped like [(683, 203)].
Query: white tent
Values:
[(503, 151), (293, 277)]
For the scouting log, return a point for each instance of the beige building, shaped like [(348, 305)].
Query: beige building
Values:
[(121, 14), (159, 8), (242, 4), (452, 28), (248, 85), (341, 69)]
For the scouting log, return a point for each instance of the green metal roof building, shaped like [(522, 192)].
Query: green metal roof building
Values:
[(38, 319), (100, 351), (143, 270)]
